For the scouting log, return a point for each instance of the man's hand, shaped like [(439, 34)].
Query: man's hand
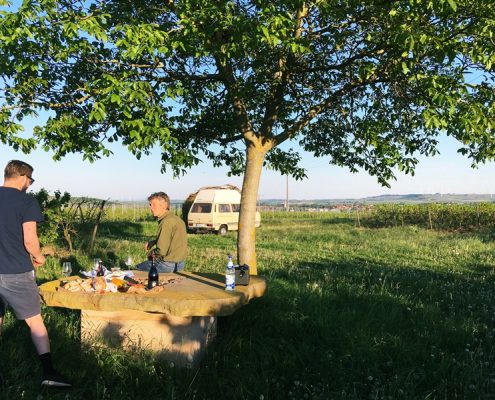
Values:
[(39, 260), (149, 244)]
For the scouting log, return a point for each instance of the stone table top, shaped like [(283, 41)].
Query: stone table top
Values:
[(196, 294)]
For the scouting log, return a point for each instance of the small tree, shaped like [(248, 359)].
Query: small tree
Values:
[(52, 208), (368, 84)]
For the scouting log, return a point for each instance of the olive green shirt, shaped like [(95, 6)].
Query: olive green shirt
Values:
[(171, 238)]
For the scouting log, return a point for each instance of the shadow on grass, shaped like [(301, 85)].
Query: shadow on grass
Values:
[(118, 230), (353, 331)]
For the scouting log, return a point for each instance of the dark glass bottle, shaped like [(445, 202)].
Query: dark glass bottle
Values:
[(100, 271), (152, 274)]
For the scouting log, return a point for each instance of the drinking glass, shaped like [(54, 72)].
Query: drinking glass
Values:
[(66, 268)]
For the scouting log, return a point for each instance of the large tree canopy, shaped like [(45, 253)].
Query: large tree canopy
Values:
[(366, 83)]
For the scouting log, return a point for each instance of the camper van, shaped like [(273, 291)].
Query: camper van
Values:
[(216, 209)]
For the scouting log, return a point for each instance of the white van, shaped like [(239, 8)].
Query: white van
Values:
[(216, 209)]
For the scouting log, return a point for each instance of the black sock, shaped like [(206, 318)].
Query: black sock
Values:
[(46, 362)]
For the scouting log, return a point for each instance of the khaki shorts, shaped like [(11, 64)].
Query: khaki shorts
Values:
[(21, 294)]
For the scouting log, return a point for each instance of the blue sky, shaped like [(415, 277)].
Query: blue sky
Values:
[(122, 177)]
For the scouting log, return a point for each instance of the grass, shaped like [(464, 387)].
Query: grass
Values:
[(351, 313)]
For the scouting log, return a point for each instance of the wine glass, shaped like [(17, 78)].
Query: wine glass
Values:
[(66, 268), (128, 262)]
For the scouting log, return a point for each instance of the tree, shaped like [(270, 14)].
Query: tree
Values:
[(369, 84)]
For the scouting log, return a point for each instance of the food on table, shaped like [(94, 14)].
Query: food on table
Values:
[(137, 288), (87, 285), (99, 284), (118, 282), (111, 287)]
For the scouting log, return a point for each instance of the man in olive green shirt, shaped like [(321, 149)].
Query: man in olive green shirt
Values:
[(170, 245)]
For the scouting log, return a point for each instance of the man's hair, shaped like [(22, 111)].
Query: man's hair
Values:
[(17, 168), (160, 195)]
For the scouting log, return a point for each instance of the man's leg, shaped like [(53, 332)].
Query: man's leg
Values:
[(169, 266), (144, 266), (39, 334)]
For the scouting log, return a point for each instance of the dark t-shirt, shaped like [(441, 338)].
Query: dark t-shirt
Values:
[(16, 207)]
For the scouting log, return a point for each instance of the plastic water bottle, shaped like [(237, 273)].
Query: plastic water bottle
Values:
[(230, 275)]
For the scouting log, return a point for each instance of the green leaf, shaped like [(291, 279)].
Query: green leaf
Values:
[(452, 4)]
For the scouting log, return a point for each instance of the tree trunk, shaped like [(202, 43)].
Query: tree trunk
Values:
[(246, 236), (95, 228), (68, 239)]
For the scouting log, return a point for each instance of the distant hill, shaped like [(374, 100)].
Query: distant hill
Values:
[(391, 198), (387, 198)]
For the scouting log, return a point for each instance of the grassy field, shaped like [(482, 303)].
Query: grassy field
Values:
[(351, 313)]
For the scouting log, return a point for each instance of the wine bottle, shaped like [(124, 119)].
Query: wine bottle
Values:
[(100, 271), (152, 274)]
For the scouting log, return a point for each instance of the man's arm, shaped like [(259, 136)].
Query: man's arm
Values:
[(149, 245), (32, 243)]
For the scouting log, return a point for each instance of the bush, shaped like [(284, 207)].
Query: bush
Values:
[(52, 207)]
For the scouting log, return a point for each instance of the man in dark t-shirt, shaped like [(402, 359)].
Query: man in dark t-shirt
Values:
[(19, 251)]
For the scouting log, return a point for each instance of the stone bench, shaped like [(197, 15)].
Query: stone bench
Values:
[(177, 323)]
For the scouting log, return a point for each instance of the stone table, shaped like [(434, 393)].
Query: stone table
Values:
[(177, 323)]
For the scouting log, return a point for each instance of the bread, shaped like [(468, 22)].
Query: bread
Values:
[(87, 285), (137, 288), (99, 284)]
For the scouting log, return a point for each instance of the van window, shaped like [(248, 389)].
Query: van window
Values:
[(202, 208), (236, 207), (224, 208)]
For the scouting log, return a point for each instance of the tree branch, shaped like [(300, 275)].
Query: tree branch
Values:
[(281, 79), (228, 77)]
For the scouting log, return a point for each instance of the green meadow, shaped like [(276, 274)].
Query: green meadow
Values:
[(401, 312)]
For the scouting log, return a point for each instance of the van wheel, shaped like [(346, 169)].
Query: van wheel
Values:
[(222, 230)]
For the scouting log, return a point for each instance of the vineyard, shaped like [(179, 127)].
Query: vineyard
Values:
[(464, 217)]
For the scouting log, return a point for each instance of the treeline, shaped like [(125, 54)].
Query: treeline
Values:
[(432, 216)]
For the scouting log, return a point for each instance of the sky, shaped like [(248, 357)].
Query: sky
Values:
[(123, 178)]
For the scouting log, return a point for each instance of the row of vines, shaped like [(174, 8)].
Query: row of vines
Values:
[(432, 216)]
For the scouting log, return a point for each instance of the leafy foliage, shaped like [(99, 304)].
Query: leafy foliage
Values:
[(52, 207), (66, 217), (367, 84)]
